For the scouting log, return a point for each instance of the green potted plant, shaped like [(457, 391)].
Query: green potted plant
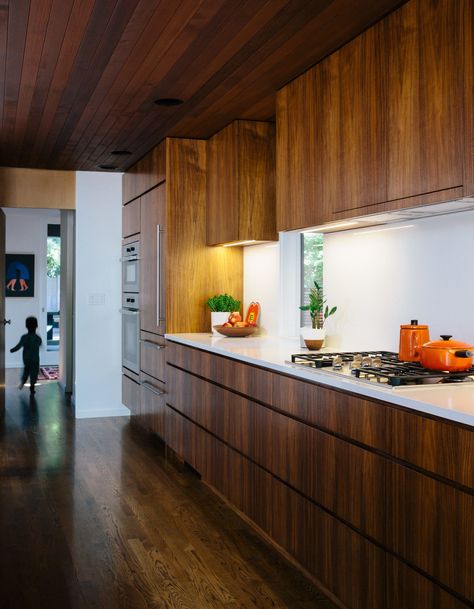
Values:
[(221, 305), (319, 311)]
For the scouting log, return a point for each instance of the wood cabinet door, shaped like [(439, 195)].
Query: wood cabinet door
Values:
[(152, 396), (241, 183), (131, 395), (131, 218), (152, 264), (424, 115), (330, 141)]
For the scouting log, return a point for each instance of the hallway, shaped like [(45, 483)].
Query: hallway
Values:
[(93, 517)]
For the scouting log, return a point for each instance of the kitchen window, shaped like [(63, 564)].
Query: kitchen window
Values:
[(312, 264)]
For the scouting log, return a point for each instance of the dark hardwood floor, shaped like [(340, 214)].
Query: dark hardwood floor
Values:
[(93, 516)]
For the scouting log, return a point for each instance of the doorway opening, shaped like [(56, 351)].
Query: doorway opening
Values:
[(53, 286)]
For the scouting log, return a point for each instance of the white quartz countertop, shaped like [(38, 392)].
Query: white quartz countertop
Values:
[(454, 402)]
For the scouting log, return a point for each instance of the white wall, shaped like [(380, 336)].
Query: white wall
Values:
[(26, 233), (261, 284), (98, 280), (380, 279)]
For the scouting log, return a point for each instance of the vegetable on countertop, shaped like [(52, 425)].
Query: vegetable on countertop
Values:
[(223, 303)]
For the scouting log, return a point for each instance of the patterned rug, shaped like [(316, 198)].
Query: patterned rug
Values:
[(48, 373)]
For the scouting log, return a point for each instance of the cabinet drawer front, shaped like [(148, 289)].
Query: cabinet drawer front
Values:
[(131, 394), (131, 218), (443, 448), (153, 395), (339, 412), (342, 477), (152, 357), (320, 543), (408, 589), (431, 526)]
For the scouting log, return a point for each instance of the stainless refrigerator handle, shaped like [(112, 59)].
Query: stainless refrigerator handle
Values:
[(153, 389)]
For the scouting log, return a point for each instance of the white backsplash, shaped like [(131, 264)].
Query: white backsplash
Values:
[(261, 284), (380, 279)]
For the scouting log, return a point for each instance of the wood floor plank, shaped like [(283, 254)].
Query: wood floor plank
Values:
[(93, 516)]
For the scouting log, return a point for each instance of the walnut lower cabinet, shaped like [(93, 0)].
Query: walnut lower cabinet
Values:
[(346, 487)]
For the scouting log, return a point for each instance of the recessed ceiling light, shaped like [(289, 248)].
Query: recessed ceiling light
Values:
[(168, 101), (120, 152), (106, 166)]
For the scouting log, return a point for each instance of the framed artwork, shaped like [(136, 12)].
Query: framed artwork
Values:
[(20, 275)]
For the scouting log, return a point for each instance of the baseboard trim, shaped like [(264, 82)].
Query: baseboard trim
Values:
[(120, 411)]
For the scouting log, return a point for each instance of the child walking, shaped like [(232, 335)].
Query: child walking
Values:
[(31, 343)]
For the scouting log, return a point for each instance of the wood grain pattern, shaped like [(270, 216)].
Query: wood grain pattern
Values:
[(241, 183), (300, 455), (339, 412), (153, 355), (194, 272), (320, 543), (467, 18), (153, 215), (131, 394), (99, 506), (37, 188), (80, 78), (152, 404), (408, 589), (408, 493), (147, 173), (423, 67), (443, 448), (131, 218), (430, 526), (380, 124)]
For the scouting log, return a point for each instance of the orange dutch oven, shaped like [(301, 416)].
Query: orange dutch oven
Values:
[(446, 354)]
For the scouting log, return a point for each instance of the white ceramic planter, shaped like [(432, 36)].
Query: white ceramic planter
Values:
[(217, 319), (308, 333)]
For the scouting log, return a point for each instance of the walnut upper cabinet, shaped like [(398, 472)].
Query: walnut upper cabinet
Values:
[(131, 218), (149, 171), (241, 183), (384, 123)]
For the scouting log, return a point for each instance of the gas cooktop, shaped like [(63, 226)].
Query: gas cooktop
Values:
[(378, 367)]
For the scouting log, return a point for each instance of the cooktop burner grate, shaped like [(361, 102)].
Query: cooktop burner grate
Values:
[(379, 367)]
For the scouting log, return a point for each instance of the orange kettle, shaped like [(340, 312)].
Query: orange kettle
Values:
[(412, 337)]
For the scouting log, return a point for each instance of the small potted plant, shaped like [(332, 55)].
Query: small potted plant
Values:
[(222, 305), (319, 311)]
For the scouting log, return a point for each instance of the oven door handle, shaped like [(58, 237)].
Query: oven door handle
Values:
[(129, 311), (152, 388), (131, 259)]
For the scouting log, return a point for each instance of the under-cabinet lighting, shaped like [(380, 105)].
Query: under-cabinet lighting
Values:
[(326, 227), (382, 230), (239, 243)]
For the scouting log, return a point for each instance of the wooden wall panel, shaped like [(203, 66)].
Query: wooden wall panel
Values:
[(194, 271), (38, 188)]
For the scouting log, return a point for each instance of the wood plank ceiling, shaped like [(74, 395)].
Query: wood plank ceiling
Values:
[(78, 78)]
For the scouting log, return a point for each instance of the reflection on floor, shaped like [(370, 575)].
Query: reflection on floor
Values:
[(92, 516)]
